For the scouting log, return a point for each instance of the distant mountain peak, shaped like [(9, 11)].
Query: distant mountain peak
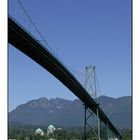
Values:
[(42, 99), (64, 112)]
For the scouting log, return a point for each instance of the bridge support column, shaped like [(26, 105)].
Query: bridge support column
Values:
[(89, 129), (99, 131), (85, 116), (107, 131)]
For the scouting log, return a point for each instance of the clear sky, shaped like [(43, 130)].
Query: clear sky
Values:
[(80, 32)]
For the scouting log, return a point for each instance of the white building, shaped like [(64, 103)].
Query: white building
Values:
[(50, 129), (39, 131)]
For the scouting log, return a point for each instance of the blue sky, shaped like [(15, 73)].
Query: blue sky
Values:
[(81, 33)]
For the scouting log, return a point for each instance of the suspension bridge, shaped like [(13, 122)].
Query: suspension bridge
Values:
[(24, 41)]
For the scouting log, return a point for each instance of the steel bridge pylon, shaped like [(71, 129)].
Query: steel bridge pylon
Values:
[(89, 129), (94, 128), (91, 87)]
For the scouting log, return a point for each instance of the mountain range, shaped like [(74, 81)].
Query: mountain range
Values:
[(68, 113)]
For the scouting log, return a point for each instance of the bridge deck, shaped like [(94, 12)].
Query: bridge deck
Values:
[(20, 38)]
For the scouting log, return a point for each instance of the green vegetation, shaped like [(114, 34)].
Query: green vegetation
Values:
[(27, 132), (126, 134)]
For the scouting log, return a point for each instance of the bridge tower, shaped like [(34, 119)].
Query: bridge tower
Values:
[(91, 88)]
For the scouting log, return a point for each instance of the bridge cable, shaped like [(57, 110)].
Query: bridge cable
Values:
[(30, 19)]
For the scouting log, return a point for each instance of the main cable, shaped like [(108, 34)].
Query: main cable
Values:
[(31, 21)]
